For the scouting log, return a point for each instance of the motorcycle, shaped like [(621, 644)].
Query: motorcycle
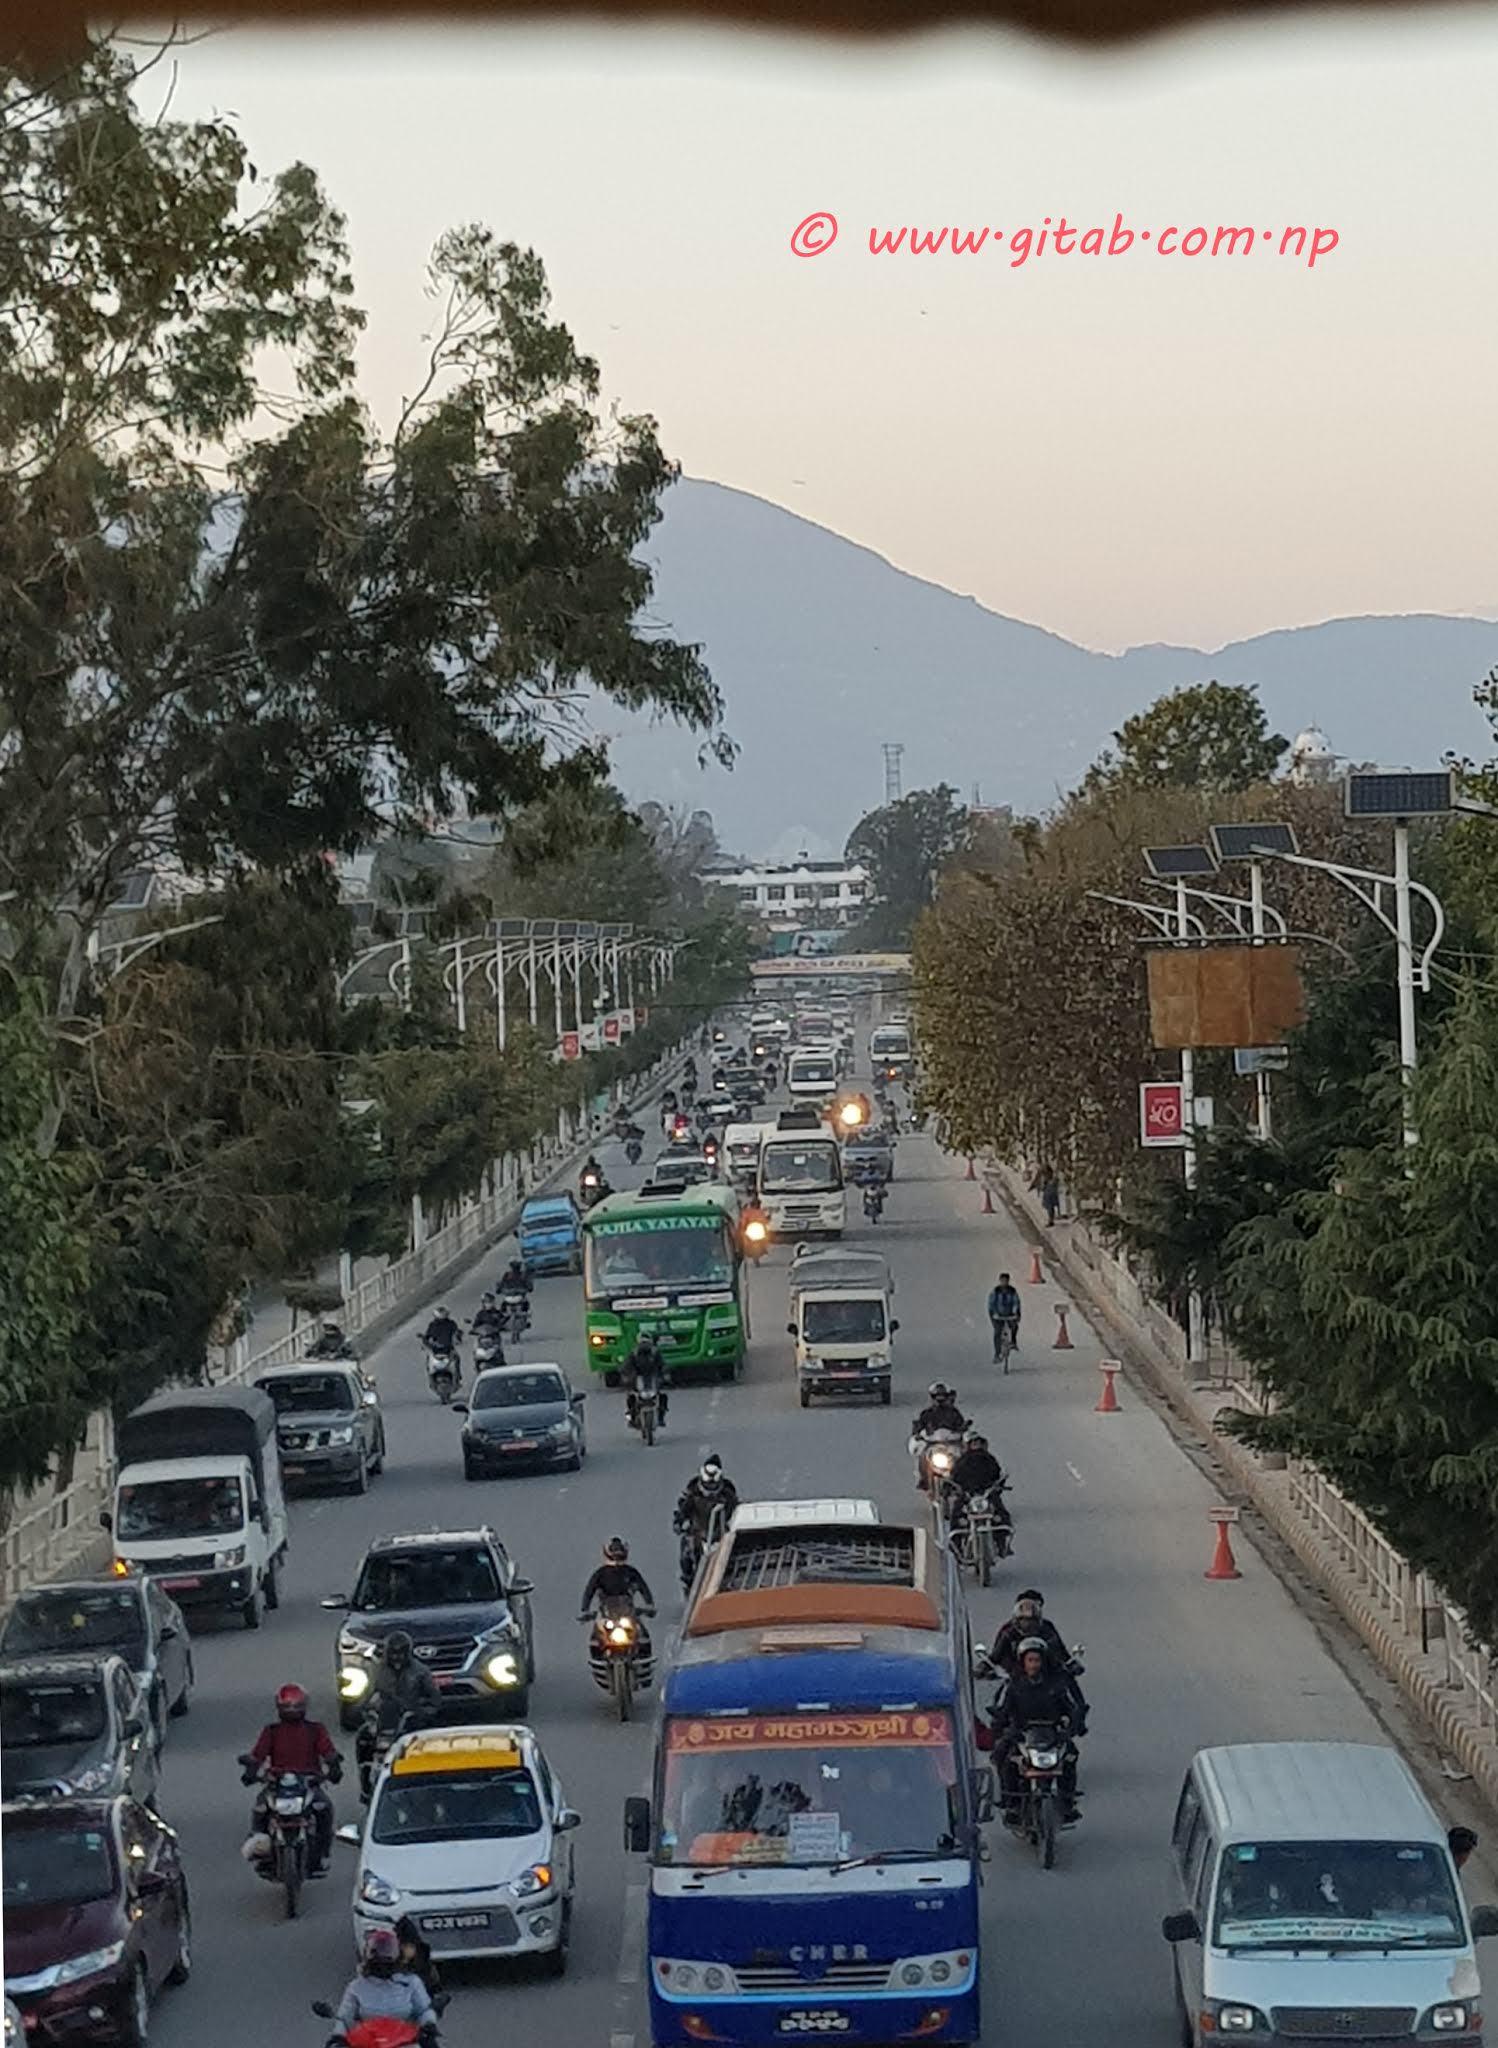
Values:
[(935, 1457), (1039, 1761), (488, 1349), (873, 1201), (619, 1654), (646, 1414), (695, 1542), (633, 1150), (443, 1372), (982, 1532), (515, 1315), (283, 1853), (592, 1188), (377, 2033)]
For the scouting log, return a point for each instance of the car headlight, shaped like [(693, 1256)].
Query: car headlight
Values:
[(89, 1965), (228, 1560), (1238, 2019), (94, 1779), (536, 1879), (378, 1891), (502, 1669), (1457, 2017), (353, 1683), (343, 1434)]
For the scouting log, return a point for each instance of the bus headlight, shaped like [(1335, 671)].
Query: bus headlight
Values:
[(953, 1969)]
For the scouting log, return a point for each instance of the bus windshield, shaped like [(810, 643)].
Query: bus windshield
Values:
[(651, 1252), (809, 1788), (785, 1168)]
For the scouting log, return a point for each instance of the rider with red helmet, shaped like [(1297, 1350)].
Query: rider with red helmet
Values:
[(293, 1743)]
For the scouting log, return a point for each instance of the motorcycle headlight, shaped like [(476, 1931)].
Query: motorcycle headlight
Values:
[(941, 1461), (228, 1560), (1045, 1759), (501, 1669), (529, 1882), (622, 1632), (378, 1891), (89, 1965)]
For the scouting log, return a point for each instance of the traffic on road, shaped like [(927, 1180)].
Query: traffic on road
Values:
[(721, 1616)]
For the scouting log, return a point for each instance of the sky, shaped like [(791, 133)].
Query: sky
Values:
[(1123, 448)]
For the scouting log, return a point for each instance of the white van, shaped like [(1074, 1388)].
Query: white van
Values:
[(1318, 1901)]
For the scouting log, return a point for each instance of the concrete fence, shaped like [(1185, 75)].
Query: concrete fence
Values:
[(56, 1529), (1419, 1636)]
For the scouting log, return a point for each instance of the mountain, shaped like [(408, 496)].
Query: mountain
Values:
[(824, 651)]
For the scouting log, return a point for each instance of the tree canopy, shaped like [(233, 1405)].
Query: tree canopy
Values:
[(1211, 737), (905, 846)]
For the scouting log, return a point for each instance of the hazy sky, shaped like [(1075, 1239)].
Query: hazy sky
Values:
[(1125, 449)]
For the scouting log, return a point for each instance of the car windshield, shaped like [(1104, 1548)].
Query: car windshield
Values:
[(519, 1390), (1336, 1895), (784, 1168), (180, 1507), (807, 1788), (312, 1393), (36, 1713), (449, 1806), (57, 1866), (77, 1618), (842, 1322), (444, 1576), (658, 1251), (547, 1216)]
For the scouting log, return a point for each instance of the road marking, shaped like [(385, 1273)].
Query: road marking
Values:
[(621, 2041), (1076, 1475), (632, 1935)]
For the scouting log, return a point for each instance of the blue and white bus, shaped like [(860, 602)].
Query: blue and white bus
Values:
[(813, 1832)]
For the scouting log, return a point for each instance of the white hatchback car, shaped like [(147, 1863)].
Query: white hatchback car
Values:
[(468, 1833)]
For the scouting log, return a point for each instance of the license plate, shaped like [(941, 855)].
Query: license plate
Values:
[(292, 1468), (453, 1923), (180, 1585), (814, 2023), (526, 1444)]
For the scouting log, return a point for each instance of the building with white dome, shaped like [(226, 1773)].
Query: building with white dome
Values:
[(1312, 762)]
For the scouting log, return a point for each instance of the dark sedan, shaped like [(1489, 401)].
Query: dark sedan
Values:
[(75, 1727), (96, 1919), (522, 1415), (133, 1617)]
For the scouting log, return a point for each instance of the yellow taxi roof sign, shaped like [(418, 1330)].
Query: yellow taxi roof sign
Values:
[(484, 1750)]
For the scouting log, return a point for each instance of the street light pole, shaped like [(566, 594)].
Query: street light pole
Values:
[(1262, 1090)]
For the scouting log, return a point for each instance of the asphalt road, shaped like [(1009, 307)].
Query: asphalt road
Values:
[(1112, 1524)]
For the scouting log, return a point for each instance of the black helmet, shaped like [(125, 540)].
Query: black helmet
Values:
[(712, 1470), (398, 1648), (488, 1301), (976, 1441), (616, 1551), (1032, 1593)]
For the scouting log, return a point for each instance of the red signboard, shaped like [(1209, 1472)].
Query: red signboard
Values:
[(611, 1030), (571, 1046), (1162, 1113)]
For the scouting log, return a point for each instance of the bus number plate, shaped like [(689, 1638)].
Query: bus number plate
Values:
[(814, 2023)]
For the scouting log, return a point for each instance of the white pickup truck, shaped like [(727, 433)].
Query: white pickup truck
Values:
[(842, 1323)]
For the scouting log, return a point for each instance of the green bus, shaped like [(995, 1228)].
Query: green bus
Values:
[(666, 1259)]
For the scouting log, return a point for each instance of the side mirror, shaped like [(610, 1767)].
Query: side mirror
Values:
[(790, 1329), (578, 1400), (459, 1407), (169, 1632), (894, 1324), (150, 1884), (349, 1833), (1184, 1927), (565, 1821), (1484, 1922), (336, 1603), (134, 1726), (983, 1799), (106, 1519), (637, 1826), (519, 1588)]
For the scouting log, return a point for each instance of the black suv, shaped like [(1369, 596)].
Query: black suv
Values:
[(458, 1596), (75, 1728)]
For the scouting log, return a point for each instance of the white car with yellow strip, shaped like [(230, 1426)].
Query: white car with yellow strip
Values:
[(469, 1834)]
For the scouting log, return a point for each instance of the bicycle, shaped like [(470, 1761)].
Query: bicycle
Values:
[(1006, 1341)]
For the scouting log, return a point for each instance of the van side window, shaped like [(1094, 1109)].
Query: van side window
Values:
[(1186, 1812), (1198, 1842)]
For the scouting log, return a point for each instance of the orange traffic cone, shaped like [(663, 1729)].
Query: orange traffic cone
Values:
[(970, 1175), (987, 1199), (1108, 1400), (1223, 1565), (1037, 1278), (1063, 1341)]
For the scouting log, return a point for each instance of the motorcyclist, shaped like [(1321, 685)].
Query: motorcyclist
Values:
[(616, 1579), (488, 1322), (1004, 1306), (645, 1370), (977, 1469), (515, 1279), (442, 1333), (706, 1494), (382, 1990), (1028, 1623), (293, 1743), (940, 1413), (400, 1694), (331, 1342), (1035, 1694)]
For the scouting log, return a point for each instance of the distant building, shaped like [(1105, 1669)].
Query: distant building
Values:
[(1312, 762), (803, 893)]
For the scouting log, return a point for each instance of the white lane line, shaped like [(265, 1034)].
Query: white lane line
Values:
[(632, 1935), (617, 2040), (1076, 1475)]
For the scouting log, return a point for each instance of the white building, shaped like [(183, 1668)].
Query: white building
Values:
[(1311, 758), (803, 893)]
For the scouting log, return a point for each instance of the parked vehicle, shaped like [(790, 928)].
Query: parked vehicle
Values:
[(75, 1728), (96, 1919), (329, 1427), (466, 1607), (520, 1416), (198, 1499), (133, 1618), (550, 1234)]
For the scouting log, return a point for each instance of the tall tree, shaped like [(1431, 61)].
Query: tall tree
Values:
[(905, 846), (1212, 737)]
